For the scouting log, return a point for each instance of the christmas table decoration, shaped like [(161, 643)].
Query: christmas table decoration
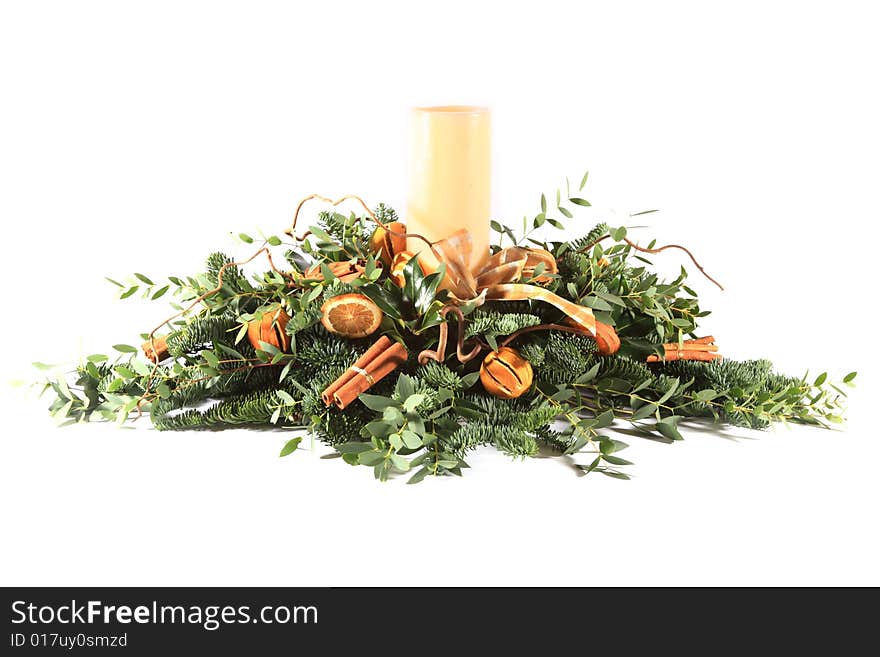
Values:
[(406, 344)]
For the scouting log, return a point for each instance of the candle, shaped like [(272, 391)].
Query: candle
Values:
[(449, 184)]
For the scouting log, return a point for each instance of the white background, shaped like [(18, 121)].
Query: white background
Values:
[(134, 137)]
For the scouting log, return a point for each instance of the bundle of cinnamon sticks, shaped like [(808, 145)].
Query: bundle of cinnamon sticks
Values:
[(378, 361), (698, 349)]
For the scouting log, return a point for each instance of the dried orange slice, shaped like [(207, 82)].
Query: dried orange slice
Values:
[(351, 315)]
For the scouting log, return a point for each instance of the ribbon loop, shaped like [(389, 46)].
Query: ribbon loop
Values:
[(497, 279)]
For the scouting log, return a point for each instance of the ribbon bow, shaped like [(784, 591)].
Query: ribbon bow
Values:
[(495, 279)]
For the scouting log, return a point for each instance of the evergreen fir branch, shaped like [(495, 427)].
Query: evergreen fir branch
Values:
[(233, 277), (202, 331), (498, 323), (253, 408), (510, 440), (438, 375), (598, 231)]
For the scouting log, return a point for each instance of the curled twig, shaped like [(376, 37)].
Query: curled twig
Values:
[(656, 250), (196, 302), (348, 197), (545, 327), (440, 354)]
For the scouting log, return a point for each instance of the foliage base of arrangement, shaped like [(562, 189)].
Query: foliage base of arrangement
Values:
[(298, 346)]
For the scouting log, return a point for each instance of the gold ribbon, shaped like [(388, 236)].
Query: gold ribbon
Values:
[(363, 373), (495, 280)]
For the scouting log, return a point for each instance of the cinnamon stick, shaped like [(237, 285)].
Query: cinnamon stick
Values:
[(370, 354), (685, 355), (156, 350), (375, 370), (697, 349), (687, 346)]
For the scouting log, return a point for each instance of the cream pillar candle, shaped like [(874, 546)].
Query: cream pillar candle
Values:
[(449, 177)]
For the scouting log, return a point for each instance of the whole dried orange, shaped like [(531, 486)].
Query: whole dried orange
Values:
[(271, 329), (351, 315)]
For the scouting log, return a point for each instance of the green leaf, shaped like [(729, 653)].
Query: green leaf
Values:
[(669, 392), (849, 377), (705, 395), (610, 298), (242, 331), (412, 276), (314, 293), (370, 458), (116, 283), (285, 396), (644, 412), (410, 439), (615, 475), (130, 291), (92, 369), (274, 240), (389, 300), (609, 446), (543, 204), (160, 292), (392, 415), (615, 460), (353, 448), (596, 303), (820, 379), (144, 279), (426, 290), (268, 348), (211, 358), (411, 402), (140, 367), (290, 446), (377, 402), (469, 379), (580, 201), (125, 348), (399, 462), (589, 375), (247, 239), (668, 428), (418, 476), (163, 390), (604, 420), (405, 386), (584, 181), (125, 372), (617, 234), (589, 468)]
